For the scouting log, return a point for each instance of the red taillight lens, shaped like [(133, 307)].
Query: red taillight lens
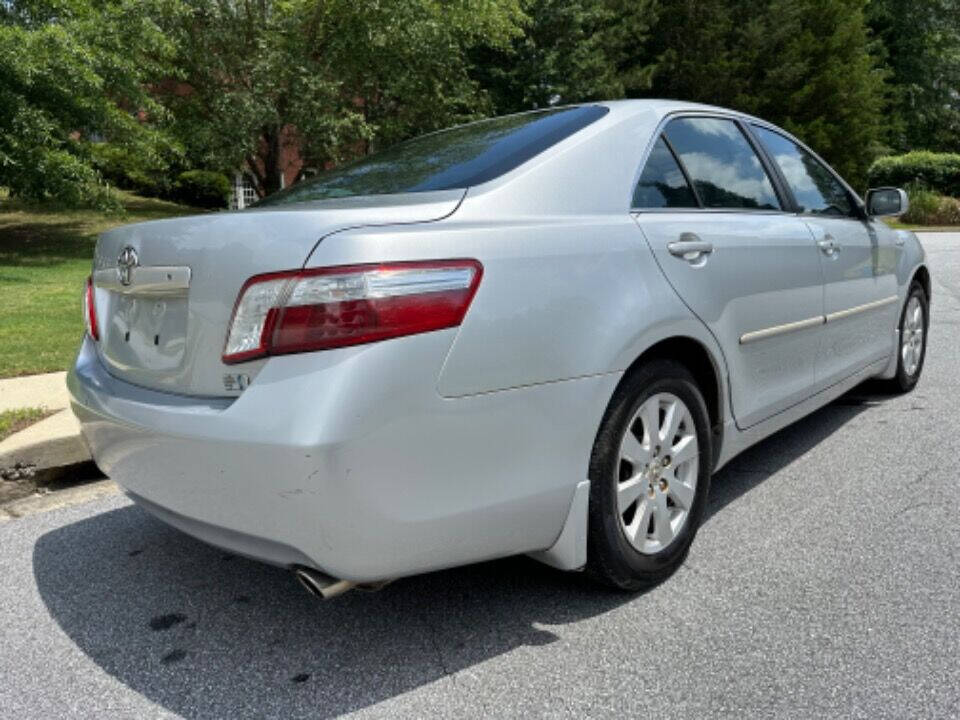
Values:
[(90, 310), (334, 307)]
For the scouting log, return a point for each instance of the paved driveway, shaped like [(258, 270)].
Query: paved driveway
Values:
[(825, 582)]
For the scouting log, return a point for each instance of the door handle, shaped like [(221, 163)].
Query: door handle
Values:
[(690, 247), (828, 246)]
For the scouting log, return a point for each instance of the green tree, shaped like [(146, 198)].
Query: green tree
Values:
[(571, 51), (921, 39), (821, 79), (703, 50), (810, 66), (72, 71), (334, 76)]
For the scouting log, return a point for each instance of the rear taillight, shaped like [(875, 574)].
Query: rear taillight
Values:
[(319, 309), (90, 310)]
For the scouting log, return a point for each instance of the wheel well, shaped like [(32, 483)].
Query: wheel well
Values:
[(698, 361), (922, 276)]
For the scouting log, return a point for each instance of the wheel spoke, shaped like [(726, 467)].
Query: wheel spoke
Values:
[(650, 414), (628, 491), (916, 320), (671, 422), (641, 521), (684, 451), (661, 520), (632, 450), (681, 494)]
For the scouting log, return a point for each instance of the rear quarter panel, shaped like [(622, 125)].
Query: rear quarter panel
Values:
[(561, 298)]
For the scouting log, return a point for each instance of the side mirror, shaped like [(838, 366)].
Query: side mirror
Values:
[(887, 202)]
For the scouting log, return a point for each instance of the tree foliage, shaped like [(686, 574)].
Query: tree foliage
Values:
[(176, 85), (809, 65), (342, 73), (571, 51), (921, 40), (69, 71)]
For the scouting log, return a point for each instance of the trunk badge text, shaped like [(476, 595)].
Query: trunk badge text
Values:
[(240, 381), (126, 262)]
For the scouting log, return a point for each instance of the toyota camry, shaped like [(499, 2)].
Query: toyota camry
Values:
[(538, 334)]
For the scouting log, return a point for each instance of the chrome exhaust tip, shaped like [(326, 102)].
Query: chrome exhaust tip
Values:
[(321, 585)]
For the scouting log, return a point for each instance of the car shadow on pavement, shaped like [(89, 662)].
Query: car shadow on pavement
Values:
[(203, 633), (753, 466)]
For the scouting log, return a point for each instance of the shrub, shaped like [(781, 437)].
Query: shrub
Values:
[(62, 179), (929, 208), (131, 169), (202, 188), (936, 171)]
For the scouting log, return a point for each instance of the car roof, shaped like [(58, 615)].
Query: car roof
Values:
[(663, 106)]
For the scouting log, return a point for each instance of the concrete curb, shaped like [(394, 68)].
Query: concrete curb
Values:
[(66, 497), (48, 390), (46, 451), (51, 443)]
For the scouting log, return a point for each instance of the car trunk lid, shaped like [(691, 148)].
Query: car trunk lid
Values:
[(165, 289)]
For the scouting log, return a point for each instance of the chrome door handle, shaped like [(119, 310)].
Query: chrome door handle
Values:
[(828, 246), (690, 247)]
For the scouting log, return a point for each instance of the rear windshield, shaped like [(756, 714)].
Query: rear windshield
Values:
[(450, 159)]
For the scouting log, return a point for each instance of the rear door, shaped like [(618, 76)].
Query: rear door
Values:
[(860, 284), (747, 268)]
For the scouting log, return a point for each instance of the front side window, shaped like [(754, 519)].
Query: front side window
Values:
[(662, 183), (457, 158), (722, 165), (814, 187)]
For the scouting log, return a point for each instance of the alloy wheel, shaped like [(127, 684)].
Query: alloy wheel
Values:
[(911, 344), (657, 473)]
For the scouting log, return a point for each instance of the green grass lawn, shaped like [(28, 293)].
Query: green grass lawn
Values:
[(922, 228), (45, 257)]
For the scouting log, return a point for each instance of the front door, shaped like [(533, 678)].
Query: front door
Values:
[(747, 268), (859, 264)]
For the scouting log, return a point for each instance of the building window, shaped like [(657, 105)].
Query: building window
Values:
[(244, 194)]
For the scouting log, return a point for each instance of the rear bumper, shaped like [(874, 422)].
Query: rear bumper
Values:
[(349, 460)]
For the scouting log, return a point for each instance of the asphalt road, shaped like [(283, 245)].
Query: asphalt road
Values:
[(825, 583)]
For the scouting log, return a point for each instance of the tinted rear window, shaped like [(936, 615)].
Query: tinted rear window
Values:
[(662, 184), (450, 159), (723, 167)]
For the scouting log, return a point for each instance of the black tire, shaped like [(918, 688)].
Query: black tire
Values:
[(611, 559), (903, 382)]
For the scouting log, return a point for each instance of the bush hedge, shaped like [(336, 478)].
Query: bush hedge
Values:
[(130, 170), (935, 171), (929, 208), (202, 188)]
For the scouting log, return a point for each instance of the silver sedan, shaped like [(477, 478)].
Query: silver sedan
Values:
[(537, 334)]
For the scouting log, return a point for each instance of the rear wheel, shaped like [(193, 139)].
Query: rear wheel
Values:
[(649, 477), (912, 351)]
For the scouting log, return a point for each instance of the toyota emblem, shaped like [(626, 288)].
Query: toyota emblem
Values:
[(126, 262)]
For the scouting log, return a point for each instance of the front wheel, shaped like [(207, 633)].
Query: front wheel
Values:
[(649, 477), (914, 322)]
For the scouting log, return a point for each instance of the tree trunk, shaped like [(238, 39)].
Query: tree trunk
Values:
[(271, 157)]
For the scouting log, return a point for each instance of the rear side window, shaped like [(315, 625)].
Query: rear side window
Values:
[(662, 183), (814, 187), (450, 159), (721, 163)]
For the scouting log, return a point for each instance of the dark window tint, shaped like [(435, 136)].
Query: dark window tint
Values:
[(662, 184), (814, 187), (456, 158), (721, 163)]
